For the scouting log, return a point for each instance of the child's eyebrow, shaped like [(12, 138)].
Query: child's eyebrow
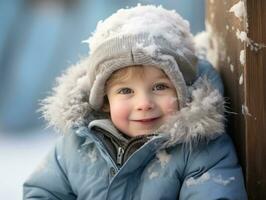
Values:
[(120, 82), (155, 78), (161, 76)]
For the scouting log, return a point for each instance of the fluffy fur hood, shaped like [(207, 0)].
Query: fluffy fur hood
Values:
[(202, 119), (68, 106)]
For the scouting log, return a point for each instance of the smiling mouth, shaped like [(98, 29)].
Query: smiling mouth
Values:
[(146, 120)]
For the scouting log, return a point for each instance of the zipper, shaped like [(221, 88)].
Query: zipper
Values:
[(119, 156), (123, 150), (118, 146), (137, 140)]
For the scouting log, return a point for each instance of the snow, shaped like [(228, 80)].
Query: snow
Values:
[(254, 46), (149, 49), (242, 57), (239, 9), (227, 27), (195, 181), (240, 12), (153, 175), (163, 157), (242, 36), (153, 171), (241, 79), (228, 59), (222, 181), (93, 155), (206, 177), (19, 157), (232, 68), (156, 21), (245, 110)]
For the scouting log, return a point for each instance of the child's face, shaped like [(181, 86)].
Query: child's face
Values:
[(138, 105)]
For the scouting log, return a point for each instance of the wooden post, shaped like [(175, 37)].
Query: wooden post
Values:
[(237, 30)]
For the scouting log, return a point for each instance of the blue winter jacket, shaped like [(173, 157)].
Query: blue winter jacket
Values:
[(189, 158)]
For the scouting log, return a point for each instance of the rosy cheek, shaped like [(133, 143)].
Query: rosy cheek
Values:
[(171, 105), (119, 113)]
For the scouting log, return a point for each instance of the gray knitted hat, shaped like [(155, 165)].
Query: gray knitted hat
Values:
[(142, 35)]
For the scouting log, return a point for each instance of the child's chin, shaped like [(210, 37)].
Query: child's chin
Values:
[(145, 132)]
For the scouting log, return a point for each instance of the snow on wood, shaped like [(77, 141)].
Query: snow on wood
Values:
[(239, 10), (242, 57)]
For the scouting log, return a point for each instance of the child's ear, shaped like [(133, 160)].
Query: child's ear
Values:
[(105, 107)]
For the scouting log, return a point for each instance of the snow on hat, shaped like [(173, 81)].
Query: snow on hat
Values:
[(142, 35)]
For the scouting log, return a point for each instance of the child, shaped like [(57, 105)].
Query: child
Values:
[(140, 119)]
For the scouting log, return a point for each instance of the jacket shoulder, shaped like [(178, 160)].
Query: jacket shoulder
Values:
[(51, 177), (213, 165)]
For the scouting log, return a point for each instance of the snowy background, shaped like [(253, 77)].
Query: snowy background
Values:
[(18, 157), (38, 40)]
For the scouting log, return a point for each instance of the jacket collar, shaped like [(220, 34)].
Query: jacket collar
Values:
[(108, 126)]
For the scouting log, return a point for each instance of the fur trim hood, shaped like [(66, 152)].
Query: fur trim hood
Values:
[(202, 118)]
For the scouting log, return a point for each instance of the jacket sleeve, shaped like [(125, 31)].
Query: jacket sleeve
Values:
[(212, 172), (49, 181)]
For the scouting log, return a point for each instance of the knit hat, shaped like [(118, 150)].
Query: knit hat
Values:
[(142, 35)]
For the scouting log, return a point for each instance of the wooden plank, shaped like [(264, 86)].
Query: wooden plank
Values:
[(255, 97)]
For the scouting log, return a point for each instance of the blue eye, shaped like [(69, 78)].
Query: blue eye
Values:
[(125, 91), (160, 86)]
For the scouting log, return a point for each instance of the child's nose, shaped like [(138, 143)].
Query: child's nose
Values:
[(145, 103)]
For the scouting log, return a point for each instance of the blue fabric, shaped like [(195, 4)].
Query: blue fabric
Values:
[(205, 69), (80, 168)]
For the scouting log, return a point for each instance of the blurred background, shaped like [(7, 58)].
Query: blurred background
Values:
[(39, 39)]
